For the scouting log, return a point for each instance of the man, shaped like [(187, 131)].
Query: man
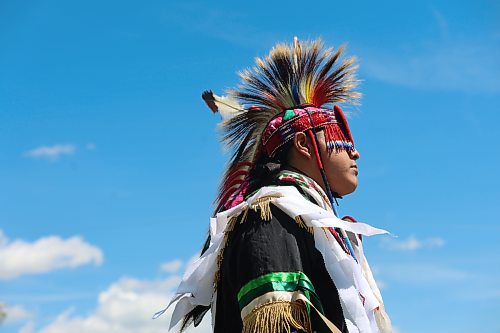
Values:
[(278, 259)]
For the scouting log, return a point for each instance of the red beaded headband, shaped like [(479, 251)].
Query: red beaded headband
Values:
[(283, 127)]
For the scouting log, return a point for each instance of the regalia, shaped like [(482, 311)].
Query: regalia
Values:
[(278, 258)]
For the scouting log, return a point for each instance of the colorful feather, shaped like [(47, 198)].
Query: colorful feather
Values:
[(291, 75)]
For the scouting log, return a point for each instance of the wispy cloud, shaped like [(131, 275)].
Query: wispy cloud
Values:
[(227, 24), (381, 284), (29, 327), (46, 254), (441, 21), (423, 273), (412, 243), (16, 313), (51, 152), (90, 146), (470, 68), (447, 63), (171, 266), (476, 294)]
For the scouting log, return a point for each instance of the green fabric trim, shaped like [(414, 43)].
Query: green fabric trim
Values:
[(275, 286), (279, 277), (279, 281)]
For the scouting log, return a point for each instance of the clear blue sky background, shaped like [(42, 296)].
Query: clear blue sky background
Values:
[(113, 88)]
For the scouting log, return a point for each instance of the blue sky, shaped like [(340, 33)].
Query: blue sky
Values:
[(109, 160)]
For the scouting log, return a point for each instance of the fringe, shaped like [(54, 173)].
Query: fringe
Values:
[(244, 217), (230, 224), (336, 139), (230, 227), (302, 224), (278, 317), (264, 204)]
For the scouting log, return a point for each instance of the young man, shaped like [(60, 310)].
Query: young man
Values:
[(278, 259)]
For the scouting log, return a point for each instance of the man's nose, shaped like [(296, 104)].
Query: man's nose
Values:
[(354, 154)]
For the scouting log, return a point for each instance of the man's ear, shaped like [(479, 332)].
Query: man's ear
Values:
[(302, 145)]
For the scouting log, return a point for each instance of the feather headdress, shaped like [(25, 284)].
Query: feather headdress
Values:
[(293, 76)]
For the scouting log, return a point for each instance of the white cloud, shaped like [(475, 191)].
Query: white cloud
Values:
[(412, 243), (19, 257), (15, 313), (171, 266), (51, 152), (27, 328), (126, 306)]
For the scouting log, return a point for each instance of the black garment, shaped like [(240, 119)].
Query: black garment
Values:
[(255, 248)]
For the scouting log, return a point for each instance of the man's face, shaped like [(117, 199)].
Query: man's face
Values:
[(340, 168)]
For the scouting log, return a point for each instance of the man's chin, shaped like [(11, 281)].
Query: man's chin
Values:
[(348, 189)]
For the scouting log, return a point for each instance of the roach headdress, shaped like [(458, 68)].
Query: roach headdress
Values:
[(293, 89)]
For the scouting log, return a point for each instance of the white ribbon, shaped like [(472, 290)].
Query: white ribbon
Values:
[(196, 287)]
